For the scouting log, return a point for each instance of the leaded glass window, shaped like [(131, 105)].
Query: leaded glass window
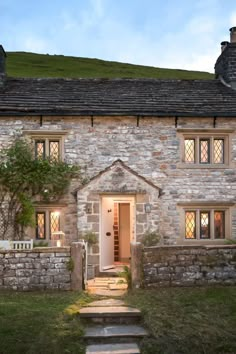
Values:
[(219, 224), (48, 148), (201, 224), (218, 151), (40, 149), (54, 150), (40, 225), (204, 224), (204, 150), (54, 221), (189, 150), (190, 224)]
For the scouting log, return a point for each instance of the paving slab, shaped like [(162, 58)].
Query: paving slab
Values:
[(108, 311), (106, 302), (121, 348), (105, 292), (116, 331), (118, 286)]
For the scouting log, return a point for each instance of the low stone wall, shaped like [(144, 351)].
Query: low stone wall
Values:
[(37, 269), (189, 265)]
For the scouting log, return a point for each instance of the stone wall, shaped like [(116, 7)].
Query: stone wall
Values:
[(189, 265), (152, 150), (37, 269)]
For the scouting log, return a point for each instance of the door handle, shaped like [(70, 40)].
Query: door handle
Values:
[(108, 234)]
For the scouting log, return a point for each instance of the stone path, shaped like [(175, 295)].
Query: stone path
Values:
[(110, 286), (113, 326)]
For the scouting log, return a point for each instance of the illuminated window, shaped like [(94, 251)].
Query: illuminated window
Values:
[(189, 145), (204, 149), (48, 221), (47, 147), (40, 225), (203, 224), (54, 221), (190, 224), (218, 151), (40, 149), (54, 150), (219, 224)]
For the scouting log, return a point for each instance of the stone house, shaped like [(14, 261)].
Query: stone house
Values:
[(158, 155)]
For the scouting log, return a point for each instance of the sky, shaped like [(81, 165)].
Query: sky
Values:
[(183, 34)]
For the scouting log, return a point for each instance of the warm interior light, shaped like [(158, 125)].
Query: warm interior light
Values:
[(58, 243), (56, 213)]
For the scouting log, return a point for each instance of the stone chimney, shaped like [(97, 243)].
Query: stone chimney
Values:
[(225, 67), (2, 66)]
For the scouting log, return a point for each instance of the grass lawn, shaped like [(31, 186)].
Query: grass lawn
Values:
[(180, 320), (41, 323), (188, 320), (21, 64)]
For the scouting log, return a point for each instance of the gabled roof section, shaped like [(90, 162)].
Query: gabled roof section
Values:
[(118, 163), (116, 97)]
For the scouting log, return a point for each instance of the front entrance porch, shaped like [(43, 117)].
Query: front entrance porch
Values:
[(118, 206)]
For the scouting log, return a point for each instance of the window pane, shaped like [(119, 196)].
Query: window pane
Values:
[(204, 151), (219, 224), (189, 150), (54, 150), (40, 148), (204, 224), (190, 224), (40, 225), (218, 151), (54, 221)]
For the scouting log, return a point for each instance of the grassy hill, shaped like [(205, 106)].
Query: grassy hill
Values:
[(22, 64)]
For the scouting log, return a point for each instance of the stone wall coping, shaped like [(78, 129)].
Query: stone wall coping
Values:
[(40, 250), (191, 246)]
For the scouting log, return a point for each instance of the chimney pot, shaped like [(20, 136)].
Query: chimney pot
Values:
[(232, 34), (224, 45)]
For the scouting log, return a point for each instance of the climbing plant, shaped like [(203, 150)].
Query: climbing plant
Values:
[(23, 179)]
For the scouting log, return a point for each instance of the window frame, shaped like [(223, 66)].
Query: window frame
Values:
[(198, 208), (47, 210), (199, 135), (47, 137)]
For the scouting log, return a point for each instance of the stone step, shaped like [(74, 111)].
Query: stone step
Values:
[(106, 292), (107, 302), (118, 286), (108, 311), (106, 281), (108, 314), (104, 334), (121, 348), (97, 286)]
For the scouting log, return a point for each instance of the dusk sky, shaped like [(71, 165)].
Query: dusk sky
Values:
[(180, 34)]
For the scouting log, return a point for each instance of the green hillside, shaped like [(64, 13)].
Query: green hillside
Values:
[(21, 64)]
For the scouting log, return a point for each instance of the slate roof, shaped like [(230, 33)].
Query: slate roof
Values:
[(117, 97)]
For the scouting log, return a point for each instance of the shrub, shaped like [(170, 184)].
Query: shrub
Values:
[(151, 238)]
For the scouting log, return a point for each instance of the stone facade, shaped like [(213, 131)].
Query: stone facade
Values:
[(37, 269), (149, 169), (189, 265)]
